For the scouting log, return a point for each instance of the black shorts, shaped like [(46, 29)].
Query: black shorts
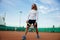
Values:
[(31, 21)]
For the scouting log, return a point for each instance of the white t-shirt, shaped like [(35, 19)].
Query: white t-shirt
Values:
[(33, 15)]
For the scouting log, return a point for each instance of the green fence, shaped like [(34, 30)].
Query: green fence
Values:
[(49, 29), (20, 29), (3, 28), (11, 28)]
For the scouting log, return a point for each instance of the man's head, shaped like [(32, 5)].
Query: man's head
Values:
[(34, 7)]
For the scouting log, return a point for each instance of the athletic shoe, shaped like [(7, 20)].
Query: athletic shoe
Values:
[(24, 38), (38, 36)]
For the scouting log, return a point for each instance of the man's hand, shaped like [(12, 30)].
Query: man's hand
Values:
[(35, 23)]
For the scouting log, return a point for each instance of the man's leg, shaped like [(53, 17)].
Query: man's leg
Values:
[(27, 29), (24, 37), (35, 26)]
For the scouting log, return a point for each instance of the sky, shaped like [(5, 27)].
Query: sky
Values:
[(17, 11)]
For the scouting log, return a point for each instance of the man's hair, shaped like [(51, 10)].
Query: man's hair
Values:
[(34, 6)]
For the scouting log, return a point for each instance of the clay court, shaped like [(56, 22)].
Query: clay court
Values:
[(17, 35)]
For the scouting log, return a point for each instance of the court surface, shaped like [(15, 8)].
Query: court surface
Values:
[(17, 35)]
